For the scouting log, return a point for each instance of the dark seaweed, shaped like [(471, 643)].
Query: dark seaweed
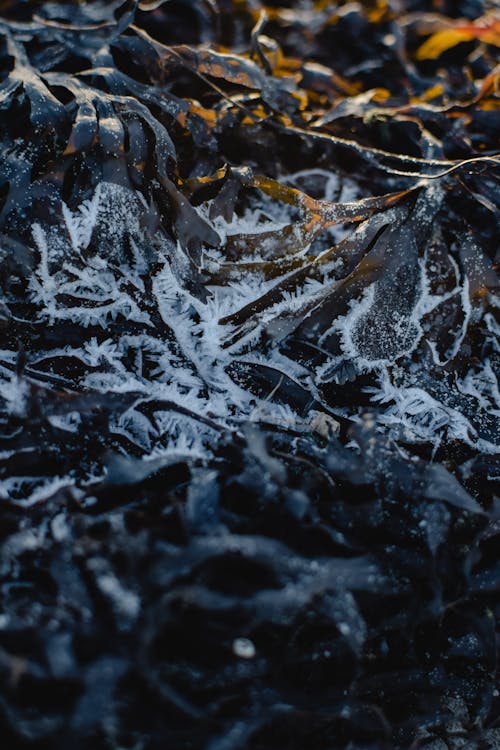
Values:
[(249, 375)]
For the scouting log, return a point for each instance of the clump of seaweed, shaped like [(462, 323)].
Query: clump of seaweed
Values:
[(249, 374)]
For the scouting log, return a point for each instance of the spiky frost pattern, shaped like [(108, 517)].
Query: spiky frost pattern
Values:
[(162, 353)]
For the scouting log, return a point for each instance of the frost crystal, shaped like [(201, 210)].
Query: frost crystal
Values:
[(175, 367)]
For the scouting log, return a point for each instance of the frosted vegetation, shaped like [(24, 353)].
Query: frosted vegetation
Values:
[(386, 320), (249, 366)]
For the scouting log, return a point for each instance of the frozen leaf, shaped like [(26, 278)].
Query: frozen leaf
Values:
[(441, 485)]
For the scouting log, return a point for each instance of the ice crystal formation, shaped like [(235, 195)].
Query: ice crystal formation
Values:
[(249, 359)]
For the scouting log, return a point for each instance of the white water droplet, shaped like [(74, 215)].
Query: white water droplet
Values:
[(244, 648)]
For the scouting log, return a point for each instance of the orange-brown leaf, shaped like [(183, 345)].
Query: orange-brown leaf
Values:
[(485, 30)]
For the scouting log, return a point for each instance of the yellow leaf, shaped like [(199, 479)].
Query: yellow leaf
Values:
[(379, 12), (434, 92), (490, 105), (380, 95), (441, 41)]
